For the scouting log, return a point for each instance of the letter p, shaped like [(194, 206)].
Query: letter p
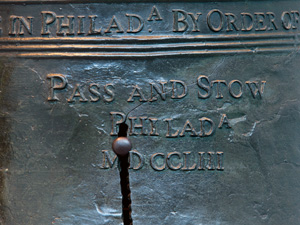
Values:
[(55, 85)]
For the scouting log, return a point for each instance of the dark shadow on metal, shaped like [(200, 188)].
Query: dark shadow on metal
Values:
[(7, 106), (124, 177)]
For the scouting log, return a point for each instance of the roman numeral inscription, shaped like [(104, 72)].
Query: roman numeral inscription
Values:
[(183, 161)]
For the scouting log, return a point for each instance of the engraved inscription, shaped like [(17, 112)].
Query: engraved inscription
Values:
[(176, 20), (18, 24), (157, 90), (59, 82), (149, 31), (181, 161), (147, 125), (153, 31)]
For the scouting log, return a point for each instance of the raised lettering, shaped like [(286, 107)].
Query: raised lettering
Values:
[(218, 82), (196, 27), (169, 128), (20, 22), (286, 19), (230, 86), (231, 19), (272, 23), (77, 93), (186, 166), (114, 24), (211, 161), (179, 24), (137, 92), (260, 21), (224, 121), (203, 86), (48, 18), (220, 21), (80, 25), (115, 122), (135, 154), (247, 26), (94, 90), (295, 19), (188, 127), (175, 85), (161, 92), (220, 163), (154, 165), (201, 161), (258, 89), (69, 26), (54, 85), (93, 29), (140, 126), (153, 122), (154, 13), (204, 124), (107, 162), (170, 162), (109, 94), (140, 21)]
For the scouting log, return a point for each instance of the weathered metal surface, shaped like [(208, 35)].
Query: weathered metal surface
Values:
[(209, 90)]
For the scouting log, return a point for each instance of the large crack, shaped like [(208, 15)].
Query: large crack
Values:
[(124, 180)]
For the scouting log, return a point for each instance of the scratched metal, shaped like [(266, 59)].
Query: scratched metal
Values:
[(52, 152)]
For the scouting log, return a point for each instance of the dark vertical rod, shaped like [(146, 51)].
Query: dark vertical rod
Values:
[(125, 189)]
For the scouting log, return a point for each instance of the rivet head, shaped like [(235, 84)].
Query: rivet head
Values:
[(121, 146)]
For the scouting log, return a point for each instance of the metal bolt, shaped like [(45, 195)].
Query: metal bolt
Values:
[(121, 146)]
